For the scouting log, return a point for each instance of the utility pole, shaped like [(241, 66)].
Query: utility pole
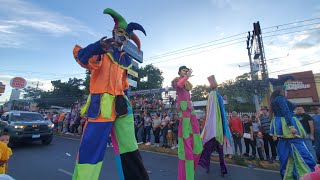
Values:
[(259, 55), (249, 48), (38, 84), (260, 50)]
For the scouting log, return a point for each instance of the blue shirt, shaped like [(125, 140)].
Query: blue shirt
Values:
[(316, 123)]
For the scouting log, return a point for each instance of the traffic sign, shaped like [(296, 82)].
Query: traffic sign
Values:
[(133, 51), (133, 73), (132, 83)]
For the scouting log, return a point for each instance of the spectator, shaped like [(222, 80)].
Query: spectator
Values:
[(55, 119), (147, 127), (60, 122), (175, 126), (259, 144), (6, 152), (228, 150), (248, 137), (65, 126), (307, 123), (156, 129), (164, 128), (267, 139), (72, 126), (136, 128), (236, 129), (316, 123), (169, 136), (140, 129)]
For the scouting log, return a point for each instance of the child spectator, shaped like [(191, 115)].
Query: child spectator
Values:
[(260, 145), (175, 127), (5, 152), (169, 135)]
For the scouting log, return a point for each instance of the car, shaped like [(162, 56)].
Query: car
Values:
[(26, 126)]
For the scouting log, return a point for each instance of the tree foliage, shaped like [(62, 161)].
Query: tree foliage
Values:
[(239, 92), (86, 82), (200, 92), (150, 77), (63, 93), (31, 93)]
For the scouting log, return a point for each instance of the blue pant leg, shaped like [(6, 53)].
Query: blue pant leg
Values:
[(284, 151), (310, 147), (317, 144)]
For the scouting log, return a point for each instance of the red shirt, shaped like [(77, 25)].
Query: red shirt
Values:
[(236, 125)]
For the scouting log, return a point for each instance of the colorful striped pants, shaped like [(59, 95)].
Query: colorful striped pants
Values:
[(295, 159), (93, 147), (189, 144)]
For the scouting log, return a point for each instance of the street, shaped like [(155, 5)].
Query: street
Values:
[(56, 161)]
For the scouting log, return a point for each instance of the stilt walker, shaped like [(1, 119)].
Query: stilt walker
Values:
[(107, 107), (216, 129), (190, 146), (295, 159)]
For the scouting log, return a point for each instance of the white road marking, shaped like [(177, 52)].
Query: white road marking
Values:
[(65, 172), (75, 139)]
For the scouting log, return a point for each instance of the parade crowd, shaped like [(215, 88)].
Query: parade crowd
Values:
[(151, 127)]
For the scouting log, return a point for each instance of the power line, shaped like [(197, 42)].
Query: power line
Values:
[(291, 23), (162, 56), (268, 60), (197, 52), (295, 67), (234, 43), (293, 32), (190, 47), (230, 44), (291, 28)]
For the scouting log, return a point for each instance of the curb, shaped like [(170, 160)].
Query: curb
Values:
[(235, 160)]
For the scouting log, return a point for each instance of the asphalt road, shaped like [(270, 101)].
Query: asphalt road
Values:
[(56, 162)]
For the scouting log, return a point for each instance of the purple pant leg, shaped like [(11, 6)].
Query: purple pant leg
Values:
[(206, 154)]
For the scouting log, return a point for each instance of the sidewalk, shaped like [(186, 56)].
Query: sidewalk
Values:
[(235, 160)]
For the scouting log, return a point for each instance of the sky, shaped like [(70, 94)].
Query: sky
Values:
[(37, 37)]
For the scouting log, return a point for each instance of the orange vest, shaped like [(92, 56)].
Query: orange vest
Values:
[(106, 76)]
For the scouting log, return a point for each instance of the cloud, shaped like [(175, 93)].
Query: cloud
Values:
[(311, 39), (19, 18)]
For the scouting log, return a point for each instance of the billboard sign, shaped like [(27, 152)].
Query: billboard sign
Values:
[(18, 83), (2, 87), (302, 87)]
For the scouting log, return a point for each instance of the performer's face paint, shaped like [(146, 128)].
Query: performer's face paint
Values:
[(184, 72), (121, 36)]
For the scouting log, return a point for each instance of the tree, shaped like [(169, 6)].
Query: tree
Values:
[(239, 92), (200, 92), (31, 93), (86, 82), (150, 77), (63, 93)]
